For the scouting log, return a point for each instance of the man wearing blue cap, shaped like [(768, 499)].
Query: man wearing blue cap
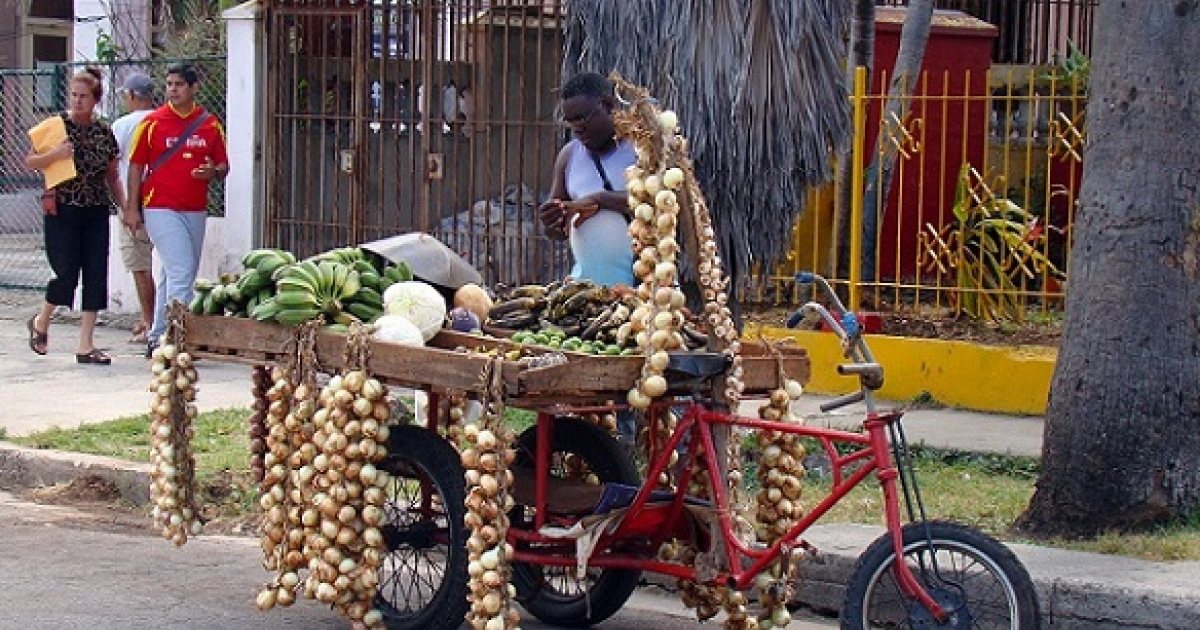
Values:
[(137, 251)]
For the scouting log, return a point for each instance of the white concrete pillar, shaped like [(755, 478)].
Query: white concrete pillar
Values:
[(236, 233)]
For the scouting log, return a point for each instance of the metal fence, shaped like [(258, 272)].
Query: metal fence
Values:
[(982, 205), (997, 148), (29, 96), (1032, 32)]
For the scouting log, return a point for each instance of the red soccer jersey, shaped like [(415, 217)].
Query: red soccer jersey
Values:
[(171, 185)]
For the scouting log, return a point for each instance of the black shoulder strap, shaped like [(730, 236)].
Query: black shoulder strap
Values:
[(600, 169), (187, 133)]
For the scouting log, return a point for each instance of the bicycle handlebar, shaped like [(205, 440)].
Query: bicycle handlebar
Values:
[(846, 327), (843, 400)]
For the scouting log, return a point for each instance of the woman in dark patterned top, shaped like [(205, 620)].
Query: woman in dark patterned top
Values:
[(77, 234)]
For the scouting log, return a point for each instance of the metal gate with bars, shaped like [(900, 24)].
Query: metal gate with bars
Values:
[(29, 96), (445, 126)]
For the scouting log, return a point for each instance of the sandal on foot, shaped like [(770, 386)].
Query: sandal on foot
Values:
[(38, 340), (95, 356)]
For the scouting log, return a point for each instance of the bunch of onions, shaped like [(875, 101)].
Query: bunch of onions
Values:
[(780, 478), (705, 598), (456, 410), (487, 458), (287, 424), (663, 427), (261, 381), (606, 421), (662, 192), (780, 470), (172, 410), (658, 322), (344, 496), (737, 616)]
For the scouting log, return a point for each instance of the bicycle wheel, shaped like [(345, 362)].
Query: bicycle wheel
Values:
[(423, 579), (557, 595), (972, 575)]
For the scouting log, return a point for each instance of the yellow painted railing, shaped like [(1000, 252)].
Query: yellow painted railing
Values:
[(972, 153)]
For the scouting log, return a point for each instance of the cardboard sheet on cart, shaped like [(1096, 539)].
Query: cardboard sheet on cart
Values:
[(587, 531)]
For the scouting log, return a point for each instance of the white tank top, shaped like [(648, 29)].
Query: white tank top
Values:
[(601, 246)]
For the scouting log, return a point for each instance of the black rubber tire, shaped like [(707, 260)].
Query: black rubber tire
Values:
[(423, 580), (550, 593), (993, 590)]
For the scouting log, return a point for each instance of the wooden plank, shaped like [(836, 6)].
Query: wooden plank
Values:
[(455, 360), (245, 340)]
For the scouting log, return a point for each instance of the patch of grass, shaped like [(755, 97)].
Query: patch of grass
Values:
[(3, 433), (965, 492), (924, 400), (221, 442), (519, 419), (987, 491)]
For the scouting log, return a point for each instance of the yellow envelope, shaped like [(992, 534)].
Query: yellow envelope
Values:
[(45, 136)]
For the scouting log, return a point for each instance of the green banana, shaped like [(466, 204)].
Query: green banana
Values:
[(399, 272), (211, 305), (362, 266), (294, 299), (370, 297), (266, 310), (364, 312), (197, 304), (258, 281), (202, 284), (252, 258), (294, 284), (296, 316), (256, 258), (339, 329), (306, 270), (218, 294), (351, 284), (272, 262), (369, 279), (233, 295)]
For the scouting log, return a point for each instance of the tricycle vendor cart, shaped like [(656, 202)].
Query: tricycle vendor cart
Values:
[(422, 572), (421, 524)]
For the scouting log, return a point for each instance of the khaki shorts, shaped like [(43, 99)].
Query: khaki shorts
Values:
[(137, 252)]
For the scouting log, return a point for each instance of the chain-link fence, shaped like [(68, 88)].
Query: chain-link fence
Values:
[(29, 96)]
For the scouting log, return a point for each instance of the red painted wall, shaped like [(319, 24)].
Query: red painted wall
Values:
[(952, 131)]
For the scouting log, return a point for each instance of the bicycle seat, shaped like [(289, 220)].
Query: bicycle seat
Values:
[(686, 368)]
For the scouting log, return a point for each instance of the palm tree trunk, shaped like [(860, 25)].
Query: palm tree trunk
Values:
[(913, 38), (862, 54)]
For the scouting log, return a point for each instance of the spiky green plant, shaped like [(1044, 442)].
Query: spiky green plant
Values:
[(991, 250)]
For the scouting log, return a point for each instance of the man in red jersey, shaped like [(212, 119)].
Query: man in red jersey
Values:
[(177, 150)]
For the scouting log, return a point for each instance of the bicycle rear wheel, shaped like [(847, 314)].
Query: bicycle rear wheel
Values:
[(558, 595), (973, 576)]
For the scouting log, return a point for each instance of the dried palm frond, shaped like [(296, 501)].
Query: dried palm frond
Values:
[(759, 86)]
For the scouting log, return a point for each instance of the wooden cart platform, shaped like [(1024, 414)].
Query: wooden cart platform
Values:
[(456, 361)]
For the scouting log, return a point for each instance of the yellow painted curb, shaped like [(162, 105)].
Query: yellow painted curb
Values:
[(998, 379)]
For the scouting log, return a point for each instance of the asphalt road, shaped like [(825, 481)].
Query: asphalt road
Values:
[(70, 569)]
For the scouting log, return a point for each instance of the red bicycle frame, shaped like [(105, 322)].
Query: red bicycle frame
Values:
[(647, 524)]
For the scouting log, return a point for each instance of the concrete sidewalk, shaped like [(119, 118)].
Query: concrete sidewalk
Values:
[(1078, 590)]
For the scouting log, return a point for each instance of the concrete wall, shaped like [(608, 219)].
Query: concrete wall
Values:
[(996, 379)]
